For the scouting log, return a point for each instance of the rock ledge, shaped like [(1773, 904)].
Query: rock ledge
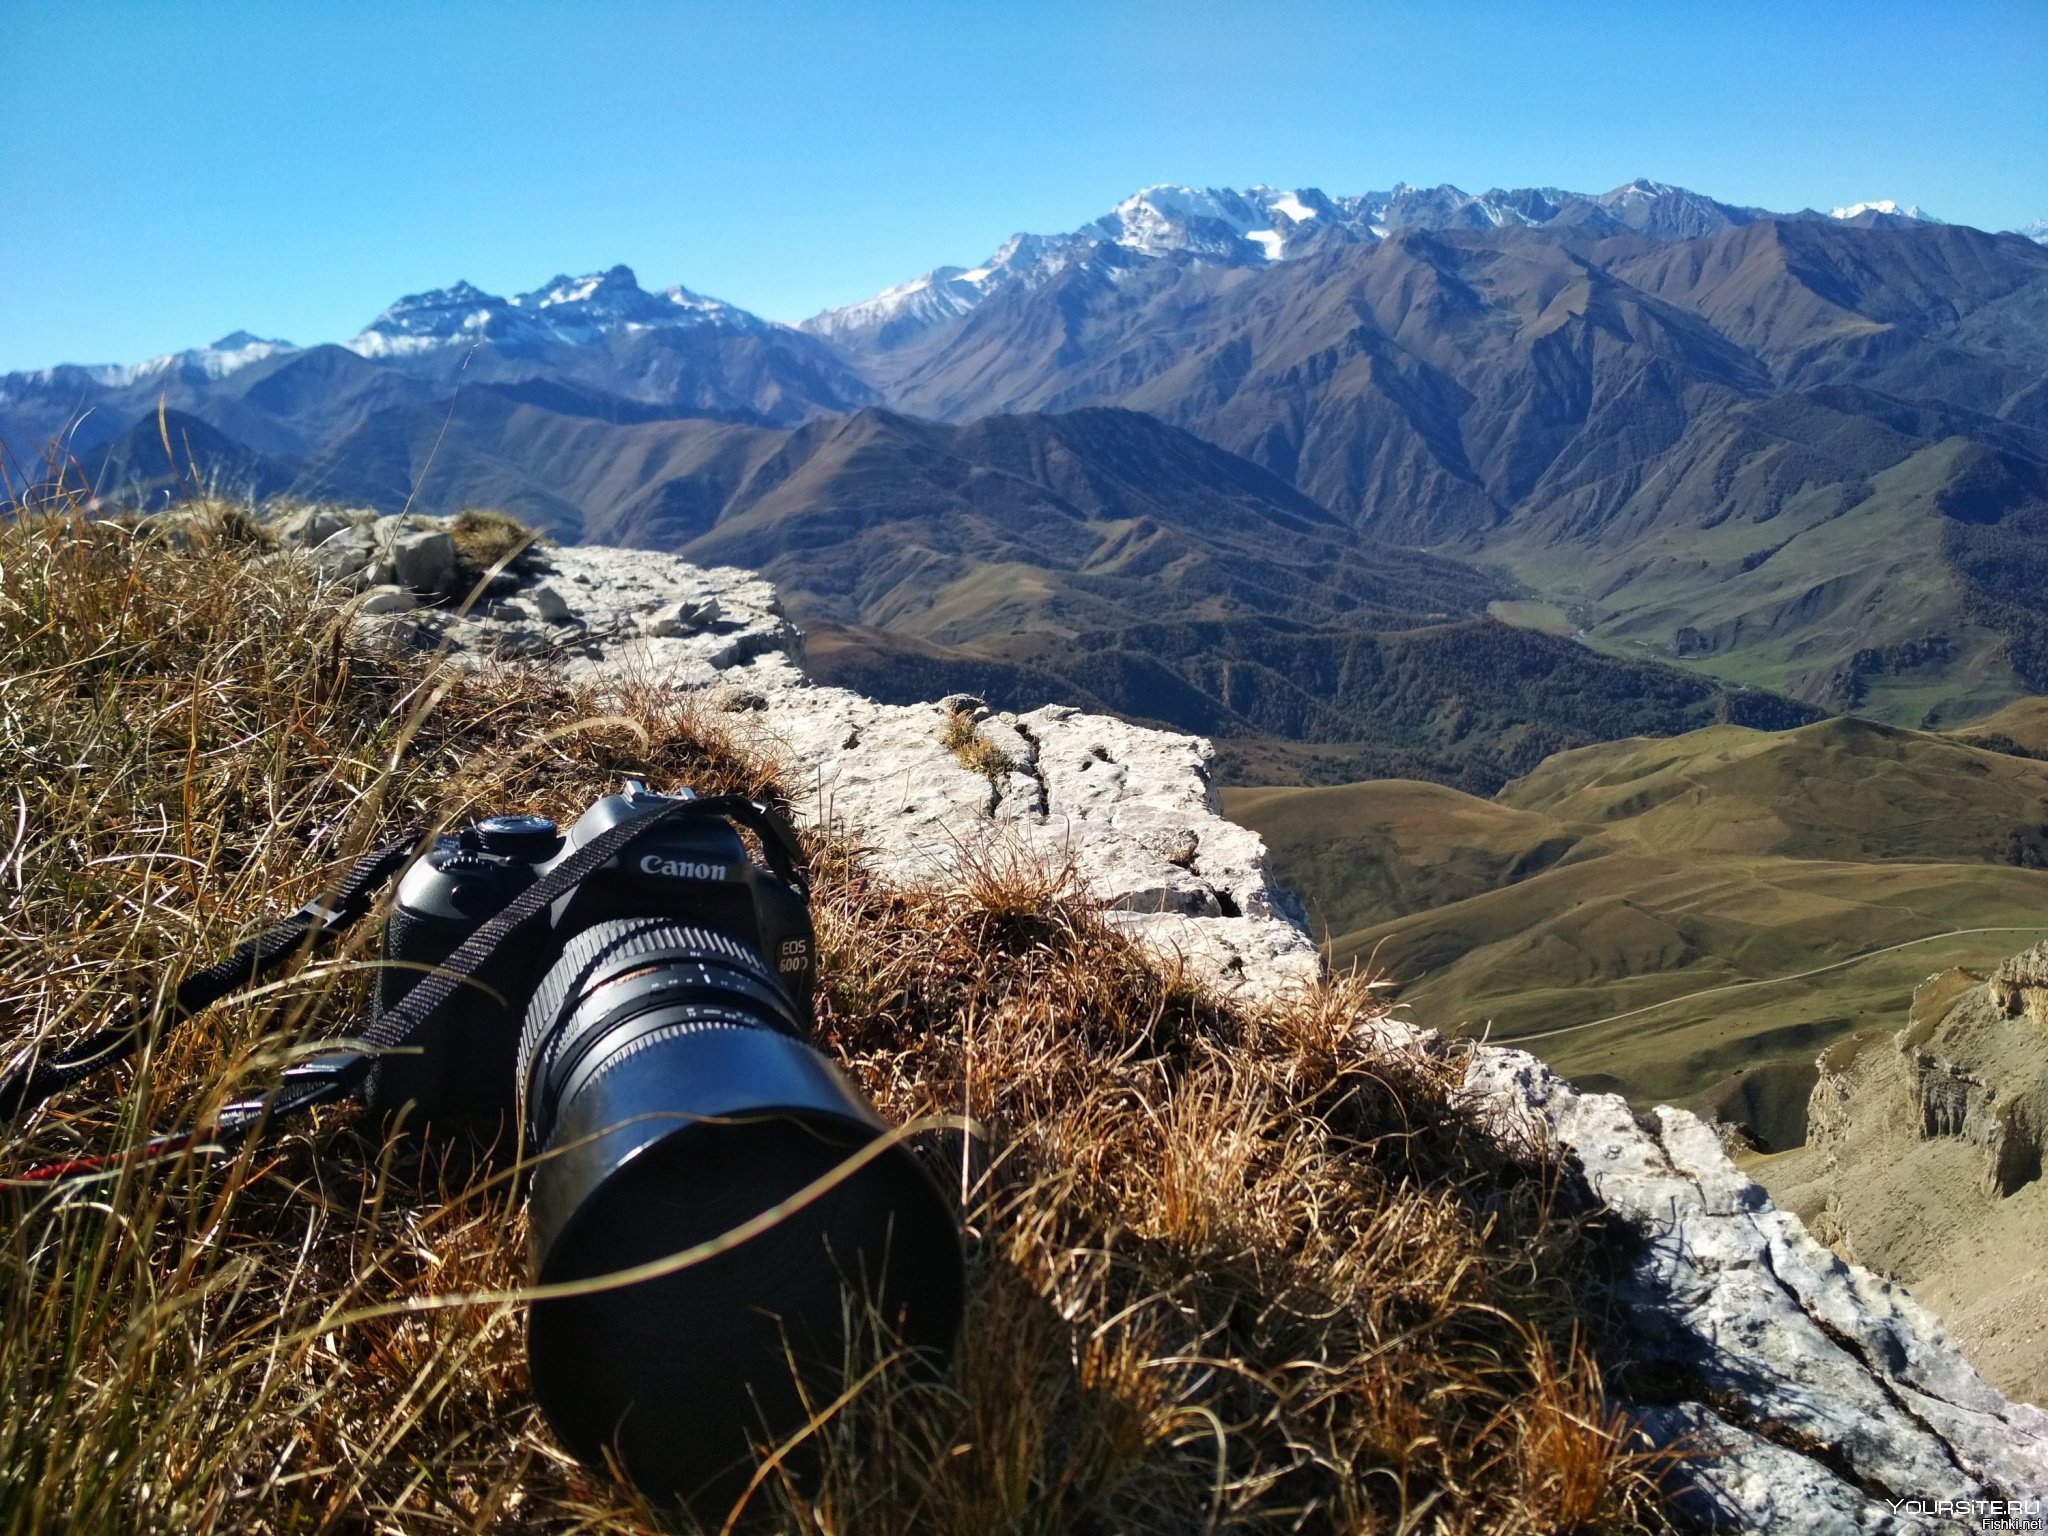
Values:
[(1827, 1398)]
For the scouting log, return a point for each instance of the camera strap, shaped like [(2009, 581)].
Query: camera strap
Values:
[(29, 1084), (336, 1075)]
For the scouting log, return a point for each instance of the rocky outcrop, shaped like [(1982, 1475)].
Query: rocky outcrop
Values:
[(2020, 986), (1924, 1161), (1822, 1397)]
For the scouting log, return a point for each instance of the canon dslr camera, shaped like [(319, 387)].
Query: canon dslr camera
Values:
[(650, 1031)]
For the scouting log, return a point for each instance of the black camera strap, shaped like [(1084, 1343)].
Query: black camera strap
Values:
[(33, 1081), (336, 1075)]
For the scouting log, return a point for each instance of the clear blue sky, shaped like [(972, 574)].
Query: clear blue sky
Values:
[(175, 170)]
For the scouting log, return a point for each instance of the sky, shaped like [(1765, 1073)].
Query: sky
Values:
[(171, 171)]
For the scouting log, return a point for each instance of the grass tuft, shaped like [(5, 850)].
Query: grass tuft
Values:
[(1228, 1269), (483, 537), (963, 738)]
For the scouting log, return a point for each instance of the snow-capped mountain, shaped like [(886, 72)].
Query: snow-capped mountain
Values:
[(1253, 226), (2036, 231), (1214, 224), (598, 344), (941, 294), (1261, 224), (563, 310), (1256, 225), (234, 351), (1887, 207)]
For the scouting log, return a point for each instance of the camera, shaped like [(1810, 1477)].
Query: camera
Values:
[(650, 1029)]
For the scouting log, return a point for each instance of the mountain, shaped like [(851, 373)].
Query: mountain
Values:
[(1798, 453), (1637, 873), (1801, 453), (1262, 224), (566, 310), (900, 315), (1097, 558), (1882, 209), (169, 458), (600, 340)]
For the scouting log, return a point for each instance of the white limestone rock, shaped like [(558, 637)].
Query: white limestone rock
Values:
[(349, 556), (1730, 1293), (421, 559), (549, 603), (383, 600), (307, 527), (686, 616)]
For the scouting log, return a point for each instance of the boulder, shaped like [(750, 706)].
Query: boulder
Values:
[(382, 600), (307, 527), (352, 556), (684, 616), (422, 559), (549, 603)]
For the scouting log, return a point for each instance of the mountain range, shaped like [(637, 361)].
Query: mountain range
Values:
[(1190, 457)]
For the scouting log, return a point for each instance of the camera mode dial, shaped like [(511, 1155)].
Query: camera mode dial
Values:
[(517, 837)]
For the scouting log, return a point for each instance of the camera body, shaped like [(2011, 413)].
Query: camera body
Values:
[(649, 1027), (462, 1062)]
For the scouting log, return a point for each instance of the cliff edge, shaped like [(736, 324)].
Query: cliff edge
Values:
[(1923, 1161)]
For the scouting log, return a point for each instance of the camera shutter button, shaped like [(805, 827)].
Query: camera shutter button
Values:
[(517, 837)]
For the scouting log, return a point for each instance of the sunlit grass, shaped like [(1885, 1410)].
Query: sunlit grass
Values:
[(1227, 1269)]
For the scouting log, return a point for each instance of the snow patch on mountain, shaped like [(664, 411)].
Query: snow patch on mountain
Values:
[(1884, 205), (1291, 204), (565, 309)]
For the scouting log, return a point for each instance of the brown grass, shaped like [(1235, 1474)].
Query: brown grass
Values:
[(1228, 1270), (483, 537), (963, 738)]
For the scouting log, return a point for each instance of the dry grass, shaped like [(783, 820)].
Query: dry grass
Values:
[(1227, 1270), (483, 537), (963, 738)]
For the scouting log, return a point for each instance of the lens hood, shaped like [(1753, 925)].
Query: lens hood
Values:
[(672, 1101)]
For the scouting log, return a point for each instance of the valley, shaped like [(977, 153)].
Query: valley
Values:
[(1626, 909)]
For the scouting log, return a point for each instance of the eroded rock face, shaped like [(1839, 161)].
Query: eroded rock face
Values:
[(1824, 1397), (2020, 986), (1924, 1160)]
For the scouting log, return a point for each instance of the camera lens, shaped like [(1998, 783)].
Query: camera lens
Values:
[(673, 1099)]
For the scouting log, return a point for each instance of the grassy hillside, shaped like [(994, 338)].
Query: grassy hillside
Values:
[(1637, 873), (2022, 726), (1792, 545), (1225, 1269)]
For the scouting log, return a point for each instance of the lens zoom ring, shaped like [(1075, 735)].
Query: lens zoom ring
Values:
[(661, 1036), (607, 949), (620, 942)]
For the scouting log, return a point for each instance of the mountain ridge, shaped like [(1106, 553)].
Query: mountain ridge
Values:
[(1233, 224), (1807, 454)]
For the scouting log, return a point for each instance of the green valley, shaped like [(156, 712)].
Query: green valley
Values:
[(1628, 909)]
